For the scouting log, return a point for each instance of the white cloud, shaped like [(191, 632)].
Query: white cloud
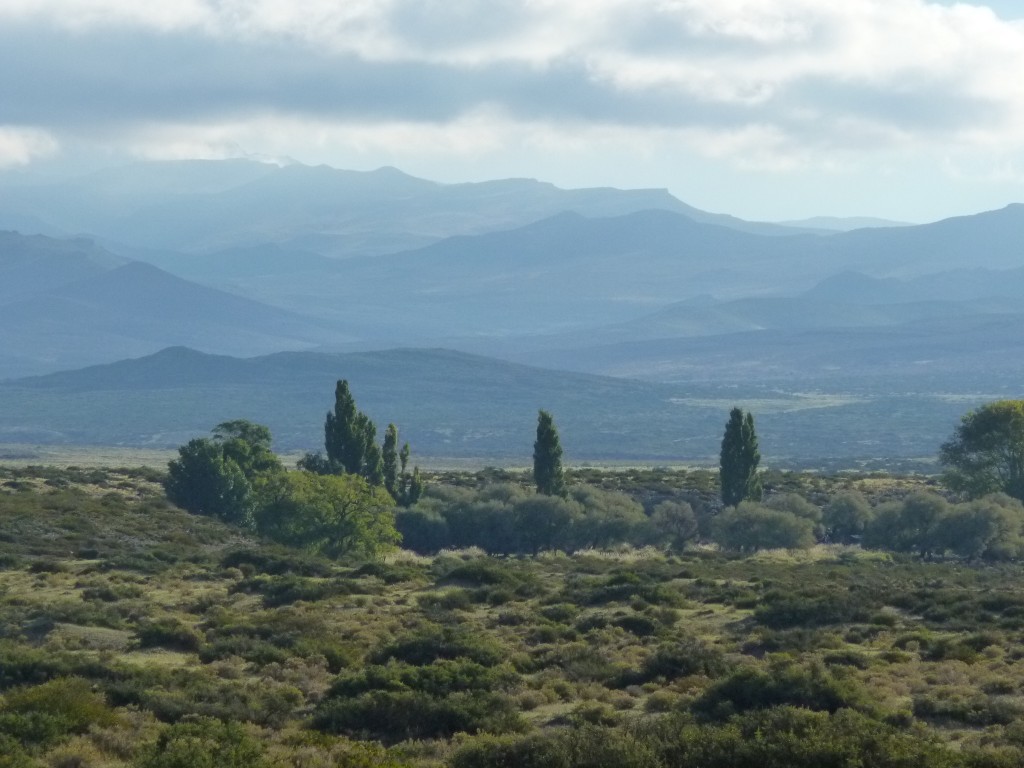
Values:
[(771, 85), (20, 146)]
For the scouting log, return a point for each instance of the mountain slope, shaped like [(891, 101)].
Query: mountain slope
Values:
[(460, 406), (135, 309), (201, 206), (35, 264)]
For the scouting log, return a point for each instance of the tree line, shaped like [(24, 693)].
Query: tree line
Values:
[(344, 499)]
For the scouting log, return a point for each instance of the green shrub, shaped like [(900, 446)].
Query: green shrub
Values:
[(681, 658), (45, 713), (586, 746), (434, 642), (423, 530), (204, 743), (288, 589), (637, 624), (782, 610), (813, 688), (170, 633), (410, 714), (275, 562), (788, 737)]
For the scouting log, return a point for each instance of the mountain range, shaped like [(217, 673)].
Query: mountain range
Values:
[(453, 405), (241, 259)]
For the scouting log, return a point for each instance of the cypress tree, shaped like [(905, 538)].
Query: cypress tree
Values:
[(415, 489), (739, 460), (547, 458), (389, 457), (344, 437)]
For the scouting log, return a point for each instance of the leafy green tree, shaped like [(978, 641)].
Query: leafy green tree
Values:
[(608, 518), (910, 526), (985, 529), (739, 459), (750, 526), (921, 516), (986, 453), (248, 445), (216, 476), (202, 481), (548, 474), (676, 522), (333, 514), (797, 505), (545, 522), (846, 516)]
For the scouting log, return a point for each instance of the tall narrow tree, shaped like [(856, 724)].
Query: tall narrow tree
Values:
[(389, 459), (344, 432), (739, 459), (547, 457)]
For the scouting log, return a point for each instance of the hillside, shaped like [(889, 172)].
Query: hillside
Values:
[(132, 309), (200, 206), (30, 265), (454, 405), (136, 634)]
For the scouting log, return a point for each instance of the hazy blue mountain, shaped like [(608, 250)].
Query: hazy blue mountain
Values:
[(991, 239), (689, 319), (567, 271), (135, 309), (455, 405), (235, 266), (952, 354), (204, 206), (33, 264), (950, 285), (570, 272), (843, 223)]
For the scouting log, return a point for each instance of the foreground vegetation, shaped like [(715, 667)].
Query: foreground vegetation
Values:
[(135, 634)]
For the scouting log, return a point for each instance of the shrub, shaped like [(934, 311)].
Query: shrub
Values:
[(277, 562), (788, 737), (409, 714), (681, 658), (751, 526), (846, 516), (433, 642), (169, 633), (811, 687), (423, 530), (44, 713), (204, 743)]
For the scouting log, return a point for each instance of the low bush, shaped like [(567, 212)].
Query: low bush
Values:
[(169, 633), (411, 714), (204, 743), (812, 687), (432, 643), (43, 714)]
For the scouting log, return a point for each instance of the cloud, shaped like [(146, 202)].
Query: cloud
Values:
[(780, 82), (20, 146)]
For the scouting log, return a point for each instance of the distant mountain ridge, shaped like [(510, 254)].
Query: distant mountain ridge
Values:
[(72, 303), (203, 206), (454, 405)]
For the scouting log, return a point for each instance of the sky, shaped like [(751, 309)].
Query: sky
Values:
[(766, 109)]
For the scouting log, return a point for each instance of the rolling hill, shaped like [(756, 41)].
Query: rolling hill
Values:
[(74, 304), (454, 405)]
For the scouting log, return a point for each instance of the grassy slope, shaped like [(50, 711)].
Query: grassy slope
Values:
[(100, 578)]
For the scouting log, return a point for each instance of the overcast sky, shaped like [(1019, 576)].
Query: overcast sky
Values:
[(767, 109)]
